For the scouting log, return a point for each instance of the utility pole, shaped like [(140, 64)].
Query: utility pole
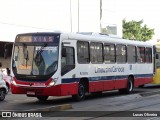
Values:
[(71, 14), (78, 15), (100, 14)]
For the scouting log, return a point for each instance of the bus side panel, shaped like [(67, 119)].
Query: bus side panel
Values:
[(142, 81), (121, 83), (109, 85), (96, 86), (156, 78), (69, 89)]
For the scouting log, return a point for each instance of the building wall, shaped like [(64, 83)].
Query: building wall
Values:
[(111, 17)]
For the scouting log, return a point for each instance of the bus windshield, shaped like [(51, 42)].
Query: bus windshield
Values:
[(35, 60)]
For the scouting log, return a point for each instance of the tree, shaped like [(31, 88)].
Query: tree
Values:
[(133, 30)]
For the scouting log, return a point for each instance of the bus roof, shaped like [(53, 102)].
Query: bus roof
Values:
[(89, 36), (106, 38)]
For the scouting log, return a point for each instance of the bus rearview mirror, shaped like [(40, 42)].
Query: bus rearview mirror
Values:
[(5, 53), (157, 56)]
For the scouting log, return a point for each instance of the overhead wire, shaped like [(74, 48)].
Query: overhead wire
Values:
[(18, 25)]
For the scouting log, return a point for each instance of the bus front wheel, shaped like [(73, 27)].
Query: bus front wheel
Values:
[(81, 93), (42, 98)]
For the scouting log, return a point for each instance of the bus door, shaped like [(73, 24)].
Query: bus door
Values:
[(68, 68)]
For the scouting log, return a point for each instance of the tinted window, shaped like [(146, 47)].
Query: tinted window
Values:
[(140, 54), (83, 52), (109, 53), (120, 53), (131, 53), (96, 52), (148, 55), (68, 61)]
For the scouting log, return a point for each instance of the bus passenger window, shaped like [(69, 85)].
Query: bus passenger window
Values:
[(131, 54), (83, 52), (109, 53), (121, 53), (96, 52), (148, 55), (140, 54)]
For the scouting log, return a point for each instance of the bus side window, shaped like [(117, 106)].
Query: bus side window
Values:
[(157, 56), (67, 60)]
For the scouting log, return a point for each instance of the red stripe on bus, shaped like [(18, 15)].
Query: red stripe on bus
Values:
[(72, 88), (142, 81)]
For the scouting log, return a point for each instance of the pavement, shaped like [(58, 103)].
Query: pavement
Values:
[(70, 107)]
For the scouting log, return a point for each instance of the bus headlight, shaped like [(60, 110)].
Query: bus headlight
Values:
[(13, 82), (53, 82)]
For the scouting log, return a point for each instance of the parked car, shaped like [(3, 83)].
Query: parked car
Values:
[(3, 87), (6, 78)]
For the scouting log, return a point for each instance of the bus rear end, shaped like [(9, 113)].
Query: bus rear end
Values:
[(35, 65)]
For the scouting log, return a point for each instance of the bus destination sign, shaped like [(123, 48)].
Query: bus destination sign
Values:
[(40, 38)]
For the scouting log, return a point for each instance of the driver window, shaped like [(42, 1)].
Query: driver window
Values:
[(67, 61)]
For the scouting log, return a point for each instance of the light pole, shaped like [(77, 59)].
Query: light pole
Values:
[(71, 14), (78, 15)]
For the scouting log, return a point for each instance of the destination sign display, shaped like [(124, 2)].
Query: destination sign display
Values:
[(38, 38)]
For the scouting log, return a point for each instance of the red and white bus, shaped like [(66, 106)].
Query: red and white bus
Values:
[(60, 64)]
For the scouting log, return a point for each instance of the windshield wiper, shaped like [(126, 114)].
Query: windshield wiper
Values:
[(41, 49), (25, 53), (38, 58)]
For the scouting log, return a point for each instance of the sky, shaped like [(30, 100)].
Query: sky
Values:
[(48, 15), (148, 10)]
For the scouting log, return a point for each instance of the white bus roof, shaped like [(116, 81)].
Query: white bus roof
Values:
[(95, 37), (104, 38)]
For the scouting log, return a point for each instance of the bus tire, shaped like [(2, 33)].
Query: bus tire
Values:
[(129, 88), (42, 98), (141, 86), (8, 88), (81, 92), (98, 94), (2, 94)]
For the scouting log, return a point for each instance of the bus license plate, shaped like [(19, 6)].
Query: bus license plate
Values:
[(30, 93), (39, 84)]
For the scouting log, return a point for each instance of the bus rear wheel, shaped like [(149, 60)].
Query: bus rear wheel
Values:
[(42, 98), (129, 88), (81, 93)]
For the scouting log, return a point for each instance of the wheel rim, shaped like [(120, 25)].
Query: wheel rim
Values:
[(81, 91), (7, 88), (130, 85), (2, 95)]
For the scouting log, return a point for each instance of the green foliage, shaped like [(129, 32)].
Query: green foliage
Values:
[(133, 30)]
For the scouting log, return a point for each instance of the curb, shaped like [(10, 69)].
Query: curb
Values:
[(145, 94)]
